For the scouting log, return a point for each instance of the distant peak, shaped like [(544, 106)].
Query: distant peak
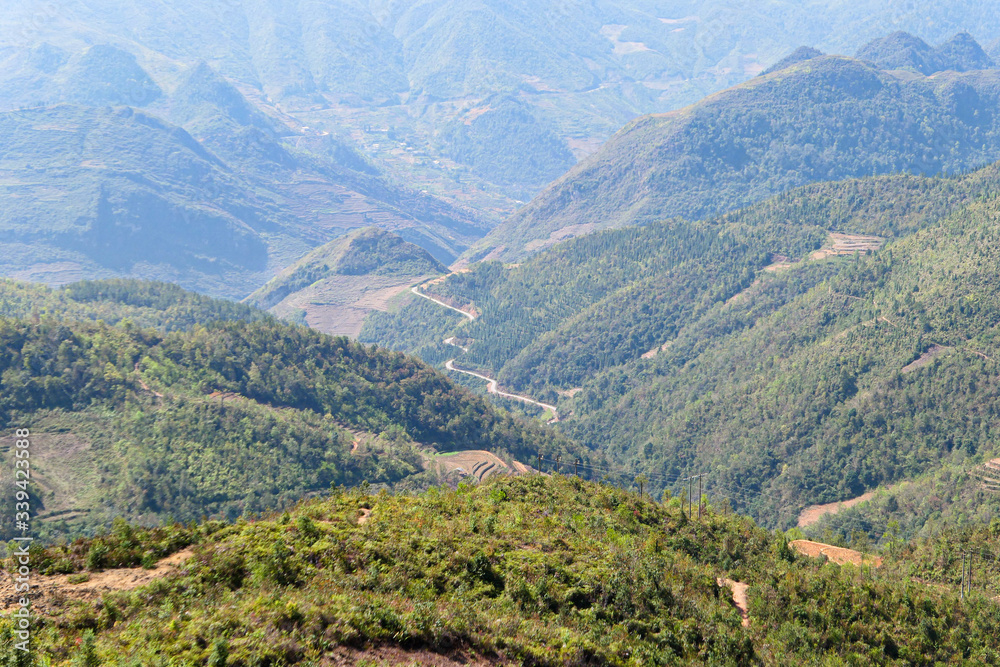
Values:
[(901, 50), (801, 54)]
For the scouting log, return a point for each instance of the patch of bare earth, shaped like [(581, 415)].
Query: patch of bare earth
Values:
[(739, 590), (569, 393), (925, 358), (839, 244), (478, 463), (346, 656), (49, 592), (989, 476), (561, 234), (838, 555), (813, 513)]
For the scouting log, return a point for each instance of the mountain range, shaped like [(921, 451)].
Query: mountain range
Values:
[(97, 191), (813, 118)]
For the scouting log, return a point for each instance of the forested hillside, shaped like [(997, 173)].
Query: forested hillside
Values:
[(830, 341), (530, 570), (822, 118), (216, 419), (334, 287)]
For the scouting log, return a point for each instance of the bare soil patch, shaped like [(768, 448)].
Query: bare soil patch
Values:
[(838, 555), (49, 592), (739, 590), (925, 358), (812, 514), (478, 463), (839, 244)]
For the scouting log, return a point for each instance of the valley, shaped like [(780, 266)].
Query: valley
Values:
[(443, 332)]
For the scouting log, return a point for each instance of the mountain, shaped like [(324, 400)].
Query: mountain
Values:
[(217, 418), (504, 142), (904, 51), (392, 75), (824, 118), (799, 55), (335, 286), (798, 350), (94, 192), (526, 570)]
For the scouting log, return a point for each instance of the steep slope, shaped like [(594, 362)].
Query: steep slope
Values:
[(755, 345), (335, 286), (825, 118), (98, 192), (223, 419), (531, 570)]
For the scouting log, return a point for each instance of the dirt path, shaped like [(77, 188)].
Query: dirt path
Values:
[(838, 555), (739, 590), (492, 388), (813, 513), (144, 385), (48, 592)]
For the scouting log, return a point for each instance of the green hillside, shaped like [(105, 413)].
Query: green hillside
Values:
[(217, 419), (756, 346), (529, 570), (902, 51), (162, 306), (334, 287), (819, 119)]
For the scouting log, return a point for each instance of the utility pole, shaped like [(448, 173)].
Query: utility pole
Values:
[(690, 491), (961, 594), (577, 468), (558, 456), (699, 496), (539, 462), (971, 558)]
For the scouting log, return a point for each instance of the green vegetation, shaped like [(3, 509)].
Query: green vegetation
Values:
[(364, 254), (222, 419), (722, 346), (161, 306), (903, 51), (528, 570), (820, 119)]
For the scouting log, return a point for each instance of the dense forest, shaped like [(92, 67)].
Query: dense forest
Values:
[(221, 418), (530, 570), (755, 347)]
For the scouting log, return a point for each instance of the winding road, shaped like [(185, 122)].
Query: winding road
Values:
[(491, 387), (442, 303)]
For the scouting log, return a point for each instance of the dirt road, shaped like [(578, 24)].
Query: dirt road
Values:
[(492, 388), (442, 303)]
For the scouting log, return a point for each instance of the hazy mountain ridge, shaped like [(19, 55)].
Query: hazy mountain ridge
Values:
[(121, 192), (823, 118)]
